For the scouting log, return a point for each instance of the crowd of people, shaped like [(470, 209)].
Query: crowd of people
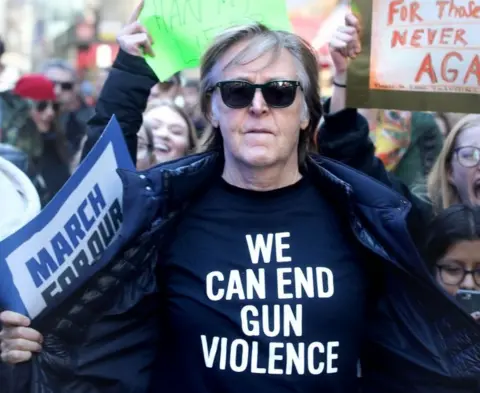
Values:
[(274, 240)]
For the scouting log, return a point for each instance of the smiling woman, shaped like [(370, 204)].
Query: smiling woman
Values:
[(167, 133)]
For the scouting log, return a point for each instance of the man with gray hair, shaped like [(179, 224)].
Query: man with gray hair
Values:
[(75, 111), (255, 266)]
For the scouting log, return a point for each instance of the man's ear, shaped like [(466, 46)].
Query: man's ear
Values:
[(213, 115), (304, 123), (305, 119)]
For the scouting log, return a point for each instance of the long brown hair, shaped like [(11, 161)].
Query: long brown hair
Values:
[(30, 139)]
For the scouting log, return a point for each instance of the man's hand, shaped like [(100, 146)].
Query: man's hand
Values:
[(134, 38)]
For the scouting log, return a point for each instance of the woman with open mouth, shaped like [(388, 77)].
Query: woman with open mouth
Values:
[(455, 178)]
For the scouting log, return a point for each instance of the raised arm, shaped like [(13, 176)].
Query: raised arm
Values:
[(345, 134), (127, 88)]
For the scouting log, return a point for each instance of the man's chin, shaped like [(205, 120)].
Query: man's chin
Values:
[(259, 157)]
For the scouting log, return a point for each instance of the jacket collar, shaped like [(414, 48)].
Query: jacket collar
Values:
[(174, 183), (366, 190)]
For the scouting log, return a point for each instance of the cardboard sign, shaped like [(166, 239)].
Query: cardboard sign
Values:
[(60, 249), (182, 29), (417, 55)]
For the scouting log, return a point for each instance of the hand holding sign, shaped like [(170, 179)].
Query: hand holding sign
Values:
[(134, 38), (345, 44), (17, 340), (182, 29)]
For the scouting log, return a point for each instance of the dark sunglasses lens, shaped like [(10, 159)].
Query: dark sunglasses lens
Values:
[(64, 85), (237, 94), (279, 94), (41, 105)]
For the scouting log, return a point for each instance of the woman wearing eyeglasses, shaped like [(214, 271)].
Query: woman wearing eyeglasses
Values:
[(452, 250), (40, 136), (455, 178)]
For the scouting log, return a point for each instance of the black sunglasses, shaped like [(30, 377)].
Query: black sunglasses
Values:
[(64, 85), (40, 106), (239, 94)]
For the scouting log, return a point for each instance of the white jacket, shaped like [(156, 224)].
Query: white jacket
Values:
[(19, 200)]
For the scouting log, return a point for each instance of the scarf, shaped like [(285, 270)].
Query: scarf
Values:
[(390, 131)]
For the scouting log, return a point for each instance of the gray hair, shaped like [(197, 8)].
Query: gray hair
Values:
[(59, 63), (262, 40)]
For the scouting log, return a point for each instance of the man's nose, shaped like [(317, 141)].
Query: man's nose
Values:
[(258, 104), (57, 89)]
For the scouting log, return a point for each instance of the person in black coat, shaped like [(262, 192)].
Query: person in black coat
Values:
[(165, 331)]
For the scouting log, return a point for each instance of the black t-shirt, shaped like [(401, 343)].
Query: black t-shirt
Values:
[(264, 292)]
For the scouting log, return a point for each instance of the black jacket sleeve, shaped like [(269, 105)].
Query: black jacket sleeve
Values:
[(124, 95), (344, 136)]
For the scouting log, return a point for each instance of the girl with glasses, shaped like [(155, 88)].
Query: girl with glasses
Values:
[(455, 178), (452, 249)]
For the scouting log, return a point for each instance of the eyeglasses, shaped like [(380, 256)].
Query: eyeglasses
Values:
[(239, 94), (66, 86), (41, 106), (453, 274), (468, 156)]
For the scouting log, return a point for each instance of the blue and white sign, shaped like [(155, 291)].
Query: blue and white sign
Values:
[(59, 250)]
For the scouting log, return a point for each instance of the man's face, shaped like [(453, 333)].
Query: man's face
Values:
[(259, 135), (465, 166), (65, 87)]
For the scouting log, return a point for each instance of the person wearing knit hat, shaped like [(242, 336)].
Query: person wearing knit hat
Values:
[(40, 91), (35, 87), (39, 135)]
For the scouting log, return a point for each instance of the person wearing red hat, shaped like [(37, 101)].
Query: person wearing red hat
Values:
[(37, 133), (40, 91)]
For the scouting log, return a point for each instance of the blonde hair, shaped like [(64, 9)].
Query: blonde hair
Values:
[(262, 40), (441, 192)]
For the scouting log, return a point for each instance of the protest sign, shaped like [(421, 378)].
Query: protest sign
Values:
[(60, 249), (417, 55), (182, 29)]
